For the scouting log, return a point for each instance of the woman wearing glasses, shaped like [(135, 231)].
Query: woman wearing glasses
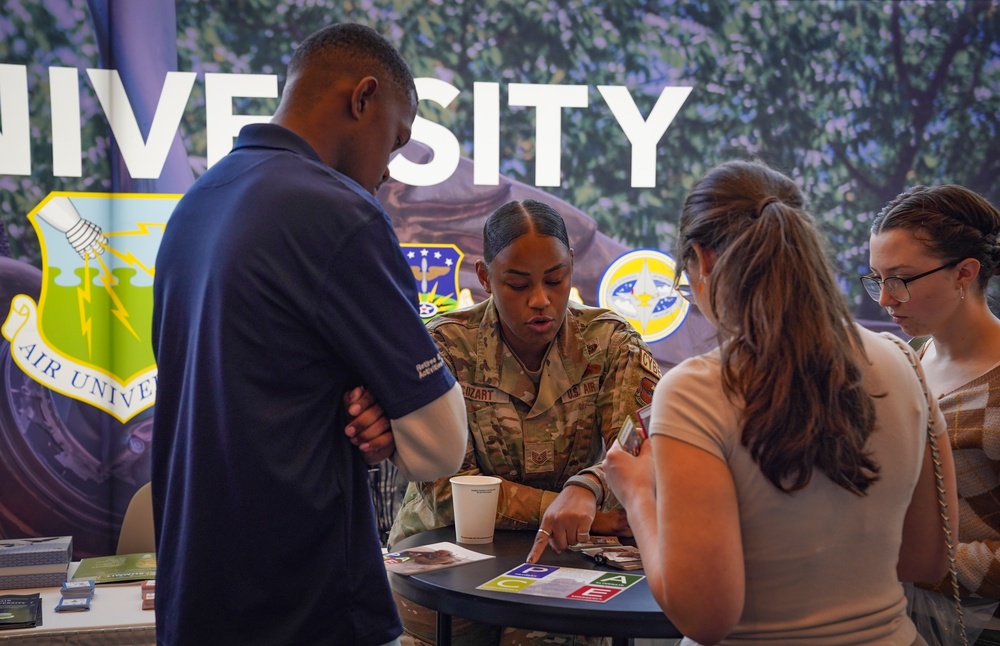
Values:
[(793, 485), (945, 237)]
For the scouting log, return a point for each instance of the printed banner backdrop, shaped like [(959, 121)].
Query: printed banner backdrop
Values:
[(109, 109)]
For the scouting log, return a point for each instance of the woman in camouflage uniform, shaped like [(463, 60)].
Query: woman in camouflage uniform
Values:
[(547, 385)]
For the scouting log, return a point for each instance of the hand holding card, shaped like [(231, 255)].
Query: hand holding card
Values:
[(631, 436), (644, 414)]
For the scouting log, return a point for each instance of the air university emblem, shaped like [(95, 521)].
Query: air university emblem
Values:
[(639, 286), (88, 337), (435, 268)]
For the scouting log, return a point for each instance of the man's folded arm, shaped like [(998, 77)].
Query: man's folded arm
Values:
[(430, 441)]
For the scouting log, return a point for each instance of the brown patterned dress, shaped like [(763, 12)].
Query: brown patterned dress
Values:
[(973, 415)]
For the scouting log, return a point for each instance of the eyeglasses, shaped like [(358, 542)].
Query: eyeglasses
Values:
[(897, 286), (684, 289)]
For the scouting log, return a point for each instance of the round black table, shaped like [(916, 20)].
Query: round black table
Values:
[(452, 591)]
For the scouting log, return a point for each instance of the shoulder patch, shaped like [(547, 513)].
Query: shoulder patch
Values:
[(644, 393), (649, 363)]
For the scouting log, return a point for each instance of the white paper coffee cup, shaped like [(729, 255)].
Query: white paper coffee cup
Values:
[(475, 501)]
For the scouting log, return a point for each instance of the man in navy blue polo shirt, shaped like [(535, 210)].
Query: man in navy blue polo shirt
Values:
[(279, 288)]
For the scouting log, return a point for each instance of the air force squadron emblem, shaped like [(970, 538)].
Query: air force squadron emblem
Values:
[(88, 337), (435, 268), (639, 286)]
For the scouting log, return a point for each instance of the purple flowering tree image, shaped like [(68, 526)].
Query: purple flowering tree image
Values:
[(856, 100), (67, 467)]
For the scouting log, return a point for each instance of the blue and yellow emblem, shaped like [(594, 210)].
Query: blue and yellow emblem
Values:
[(639, 286), (435, 268)]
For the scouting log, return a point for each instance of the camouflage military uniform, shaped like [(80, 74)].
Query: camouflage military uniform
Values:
[(597, 372)]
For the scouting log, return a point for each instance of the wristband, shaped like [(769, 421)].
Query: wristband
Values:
[(589, 484)]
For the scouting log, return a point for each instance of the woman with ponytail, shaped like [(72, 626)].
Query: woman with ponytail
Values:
[(946, 236), (787, 485)]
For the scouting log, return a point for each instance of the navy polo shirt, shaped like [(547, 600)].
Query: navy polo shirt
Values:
[(279, 285)]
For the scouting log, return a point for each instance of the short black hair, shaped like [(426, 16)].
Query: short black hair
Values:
[(360, 46)]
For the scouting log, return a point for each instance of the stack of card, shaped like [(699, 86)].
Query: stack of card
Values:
[(73, 604), (624, 557), (597, 541), (77, 589), (76, 596), (148, 595)]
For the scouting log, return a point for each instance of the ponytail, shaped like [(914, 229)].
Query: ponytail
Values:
[(789, 350)]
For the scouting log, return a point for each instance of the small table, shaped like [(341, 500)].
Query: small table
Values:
[(452, 591), (115, 617)]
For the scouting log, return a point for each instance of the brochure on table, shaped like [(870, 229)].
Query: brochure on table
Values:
[(562, 582), (20, 611), (426, 558)]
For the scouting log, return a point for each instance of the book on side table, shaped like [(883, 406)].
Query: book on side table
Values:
[(121, 568)]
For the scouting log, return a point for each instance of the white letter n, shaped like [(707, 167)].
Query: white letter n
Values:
[(15, 134)]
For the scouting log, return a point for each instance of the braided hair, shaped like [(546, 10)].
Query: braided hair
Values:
[(954, 223)]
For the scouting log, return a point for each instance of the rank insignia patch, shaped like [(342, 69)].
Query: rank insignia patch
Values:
[(539, 457)]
